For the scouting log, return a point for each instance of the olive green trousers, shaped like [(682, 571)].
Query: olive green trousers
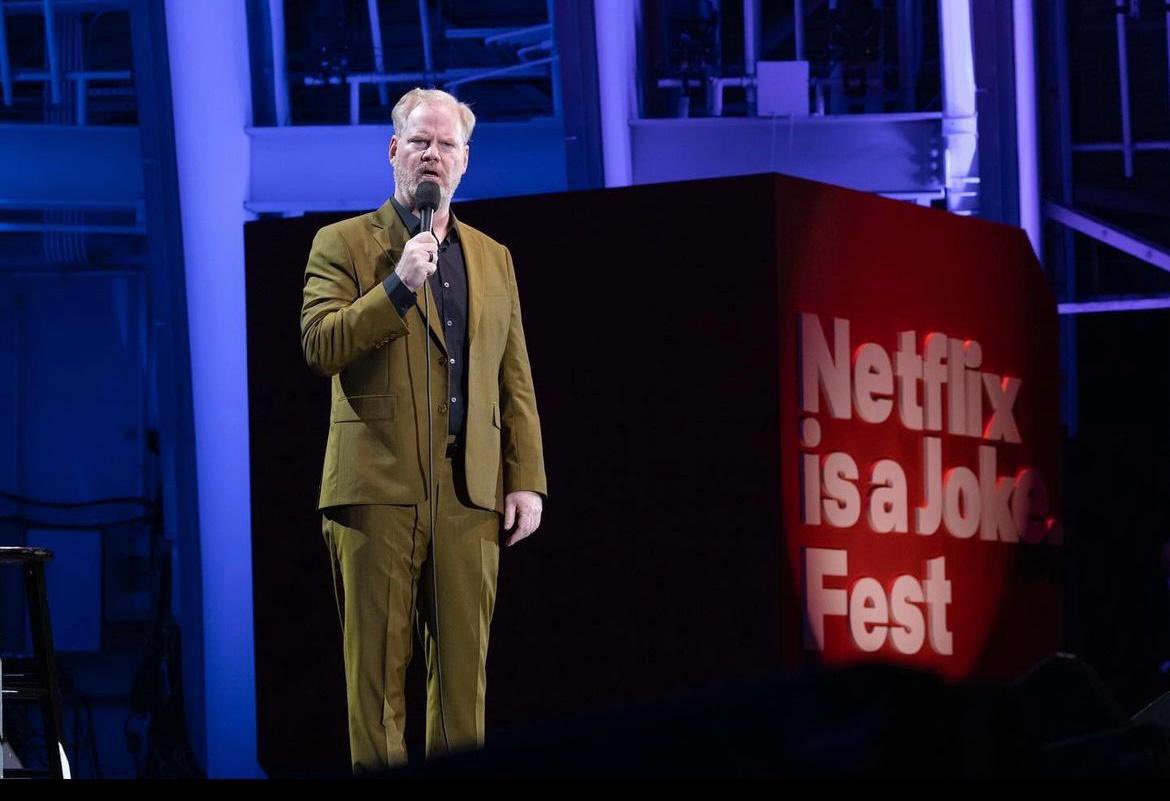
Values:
[(389, 571)]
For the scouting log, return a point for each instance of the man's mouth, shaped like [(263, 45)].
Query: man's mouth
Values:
[(429, 174)]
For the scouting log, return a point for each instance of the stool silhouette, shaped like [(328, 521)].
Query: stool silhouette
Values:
[(36, 679)]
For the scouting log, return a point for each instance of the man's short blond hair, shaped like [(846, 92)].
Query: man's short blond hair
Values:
[(416, 97)]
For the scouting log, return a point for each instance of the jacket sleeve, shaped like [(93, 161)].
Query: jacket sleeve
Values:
[(337, 324), (523, 453)]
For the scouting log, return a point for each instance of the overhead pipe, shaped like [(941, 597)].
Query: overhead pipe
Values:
[(279, 66), (715, 87), (51, 52), (376, 37), (425, 26), (798, 27), (1027, 149), (751, 50)]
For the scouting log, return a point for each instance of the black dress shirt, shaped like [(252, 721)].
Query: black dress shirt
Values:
[(449, 287)]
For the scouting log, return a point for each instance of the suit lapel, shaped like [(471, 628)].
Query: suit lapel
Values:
[(391, 235)]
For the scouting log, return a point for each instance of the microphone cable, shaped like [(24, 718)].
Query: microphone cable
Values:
[(432, 491)]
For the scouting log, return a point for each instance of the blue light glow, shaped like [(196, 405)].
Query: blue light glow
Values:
[(208, 46), (616, 23), (1026, 142)]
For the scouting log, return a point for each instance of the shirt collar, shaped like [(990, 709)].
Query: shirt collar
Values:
[(413, 223)]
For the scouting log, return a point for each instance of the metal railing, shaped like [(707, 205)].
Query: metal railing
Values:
[(1127, 146), (81, 80), (535, 47), (448, 79)]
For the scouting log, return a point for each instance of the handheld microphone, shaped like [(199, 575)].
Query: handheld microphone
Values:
[(426, 200)]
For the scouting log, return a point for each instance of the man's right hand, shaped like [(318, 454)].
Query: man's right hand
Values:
[(419, 259)]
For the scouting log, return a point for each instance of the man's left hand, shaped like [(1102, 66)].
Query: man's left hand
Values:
[(522, 508)]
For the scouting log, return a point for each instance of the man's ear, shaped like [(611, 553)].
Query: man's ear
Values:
[(466, 157), (393, 148)]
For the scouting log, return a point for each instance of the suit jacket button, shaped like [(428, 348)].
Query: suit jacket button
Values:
[(442, 408)]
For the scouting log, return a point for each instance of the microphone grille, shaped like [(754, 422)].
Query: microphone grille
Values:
[(427, 196)]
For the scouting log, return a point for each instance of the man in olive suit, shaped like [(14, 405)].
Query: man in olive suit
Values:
[(362, 323)]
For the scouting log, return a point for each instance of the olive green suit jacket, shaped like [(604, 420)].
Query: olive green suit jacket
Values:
[(377, 447)]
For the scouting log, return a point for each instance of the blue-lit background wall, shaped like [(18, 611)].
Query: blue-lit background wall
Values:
[(137, 137)]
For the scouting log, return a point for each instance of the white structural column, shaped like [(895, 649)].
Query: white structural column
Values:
[(960, 127), (210, 86), (1028, 154), (616, 24)]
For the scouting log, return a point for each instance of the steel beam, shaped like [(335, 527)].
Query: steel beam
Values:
[(1114, 305), (1120, 13), (1109, 235)]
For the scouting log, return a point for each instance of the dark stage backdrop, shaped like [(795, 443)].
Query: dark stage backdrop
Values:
[(665, 355), (650, 326)]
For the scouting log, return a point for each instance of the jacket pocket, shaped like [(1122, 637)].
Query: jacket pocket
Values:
[(364, 408)]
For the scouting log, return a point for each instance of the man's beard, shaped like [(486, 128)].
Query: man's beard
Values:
[(409, 184)]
